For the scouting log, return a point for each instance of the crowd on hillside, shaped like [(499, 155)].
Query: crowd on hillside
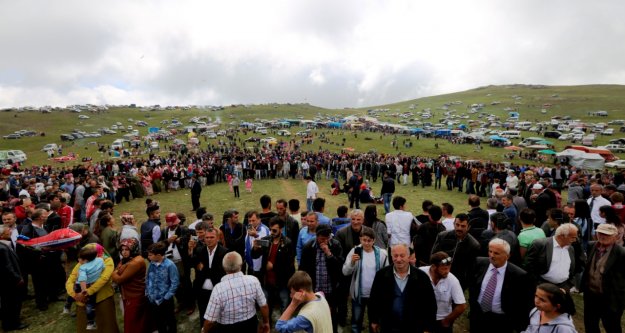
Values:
[(527, 248)]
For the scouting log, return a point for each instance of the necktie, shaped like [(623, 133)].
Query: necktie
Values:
[(592, 203), (489, 292)]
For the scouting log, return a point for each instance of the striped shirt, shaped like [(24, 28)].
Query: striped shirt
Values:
[(234, 299)]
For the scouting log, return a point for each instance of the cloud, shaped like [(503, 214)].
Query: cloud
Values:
[(328, 53)]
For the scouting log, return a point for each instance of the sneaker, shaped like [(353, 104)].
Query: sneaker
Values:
[(65, 311), (574, 290), (91, 327)]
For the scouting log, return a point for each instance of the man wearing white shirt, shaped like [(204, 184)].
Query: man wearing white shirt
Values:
[(398, 223), (448, 218), (311, 192), (595, 202), (449, 294)]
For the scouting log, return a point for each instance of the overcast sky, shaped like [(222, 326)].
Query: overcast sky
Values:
[(330, 53)]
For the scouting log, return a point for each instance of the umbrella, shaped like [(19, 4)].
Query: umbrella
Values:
[(547, 152), (514, 148), (544, 142)]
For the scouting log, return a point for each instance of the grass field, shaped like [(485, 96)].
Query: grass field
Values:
[(573, 101)]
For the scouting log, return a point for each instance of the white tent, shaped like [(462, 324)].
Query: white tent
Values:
[(570, 153), (587, 161)]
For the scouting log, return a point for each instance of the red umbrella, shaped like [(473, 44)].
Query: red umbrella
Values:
[(513, 148)]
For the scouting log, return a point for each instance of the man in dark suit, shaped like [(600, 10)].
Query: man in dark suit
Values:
[(208, 267), (177, 238), (603, 282), (478, 217), (541, 201), (11, 283), (196, 191), (500, 295), (402, 298), (552, 259)]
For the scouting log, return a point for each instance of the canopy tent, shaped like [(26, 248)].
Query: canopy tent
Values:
[(587, 161), (544, 142), (335, 124), (442, 132), (537, 147), (497, 138), (570, 153), (547, 152), (513, 148)]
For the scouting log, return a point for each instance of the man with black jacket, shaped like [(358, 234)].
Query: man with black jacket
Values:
[(196, 191), (12, 283), (402, 298), (207, 259), (177, 238), (278, 264), (323, 260), (291, 227), (150, 229), (388, 188)]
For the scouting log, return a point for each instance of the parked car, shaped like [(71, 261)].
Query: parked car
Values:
[(12, 136), (618, 164), (67, 137), (50, 146), (552, 134), (616, 148)]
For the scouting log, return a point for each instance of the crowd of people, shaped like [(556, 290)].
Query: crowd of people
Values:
[(527, 248)]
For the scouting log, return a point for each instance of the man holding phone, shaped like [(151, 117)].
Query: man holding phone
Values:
[(255, 232)]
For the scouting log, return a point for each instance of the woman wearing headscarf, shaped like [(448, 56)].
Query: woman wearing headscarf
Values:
[(130, 276), (105, 301)]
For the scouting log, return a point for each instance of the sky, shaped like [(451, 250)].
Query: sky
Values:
[(329, 53)]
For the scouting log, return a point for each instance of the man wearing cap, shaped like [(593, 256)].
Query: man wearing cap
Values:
[(323, 260), (603, 282), (541, 202), (177, 238), (449, 294)]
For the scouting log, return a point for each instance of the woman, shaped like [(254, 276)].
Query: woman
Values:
[(129, 228), (108, 237), (105, 300), (130, 276), (611, 217), (146, 182), (553, 311), (362, 263), (583, 222), (379, 228)]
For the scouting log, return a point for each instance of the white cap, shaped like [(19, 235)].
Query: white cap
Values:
[(537, 187)]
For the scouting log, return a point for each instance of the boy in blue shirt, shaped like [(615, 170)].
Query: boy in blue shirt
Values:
[(160, 287), (89, 272)]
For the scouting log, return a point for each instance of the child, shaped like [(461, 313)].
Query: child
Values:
[(553, 311), (229, 180), (89, 272), (161, 284), (235, 185), (248, 184)]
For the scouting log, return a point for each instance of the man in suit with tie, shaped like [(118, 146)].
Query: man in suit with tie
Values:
[(500, 295), (552, 259), (603, 282), (11, 283), (209, 270)]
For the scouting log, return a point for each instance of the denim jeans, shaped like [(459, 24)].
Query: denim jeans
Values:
[(309, 203), (386, 198), (358, 313)]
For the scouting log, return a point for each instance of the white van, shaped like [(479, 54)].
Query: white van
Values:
[(118, 144), (523, 125), (511, 134), (12, 155), (261, 130), (50, 146)]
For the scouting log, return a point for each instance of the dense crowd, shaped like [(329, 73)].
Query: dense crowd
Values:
[(527, 248)]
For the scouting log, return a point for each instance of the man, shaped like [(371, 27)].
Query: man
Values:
[(234, 300), (448, 218), (541, 201), (207, 255), (319, 206), (306, 234), (499, 224), (196, 191), (314, 314), (510, 210), (478, 217), (255, 231), (603, 282), (11, 283), (388, 188), (177, 238), (233, 231), (266, 214), (341, 220), (575, 192), (348, 237), (322, 259), (595, 201), (461, 246), (354, 190), (427, 233), (311, 192), (558, 174), (66, 213), (552, 259), (9, 220), (500, 294), (277, 256), (291, 226), (424, 216), (449, 294), (95, 194), (529, 230), (150, 229), (402, 298), (294, 211), (398, 222)]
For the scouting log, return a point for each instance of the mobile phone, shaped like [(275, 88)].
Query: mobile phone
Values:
[(194, 238), (264, 242), (358, 251)]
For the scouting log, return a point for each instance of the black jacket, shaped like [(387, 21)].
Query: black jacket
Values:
[(284, 266), (308, 261), (538, 259), (215, 272), (463, 253), (419, 308)]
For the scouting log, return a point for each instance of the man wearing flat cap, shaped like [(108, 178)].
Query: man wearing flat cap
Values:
[(603, 282), (322, 258)]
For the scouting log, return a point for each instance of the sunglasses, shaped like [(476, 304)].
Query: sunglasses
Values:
[(275, 230), (446, 261)]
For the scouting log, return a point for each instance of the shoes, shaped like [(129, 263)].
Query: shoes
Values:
[(65, 311), (92, 327), (574, 290), (16, 328)]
